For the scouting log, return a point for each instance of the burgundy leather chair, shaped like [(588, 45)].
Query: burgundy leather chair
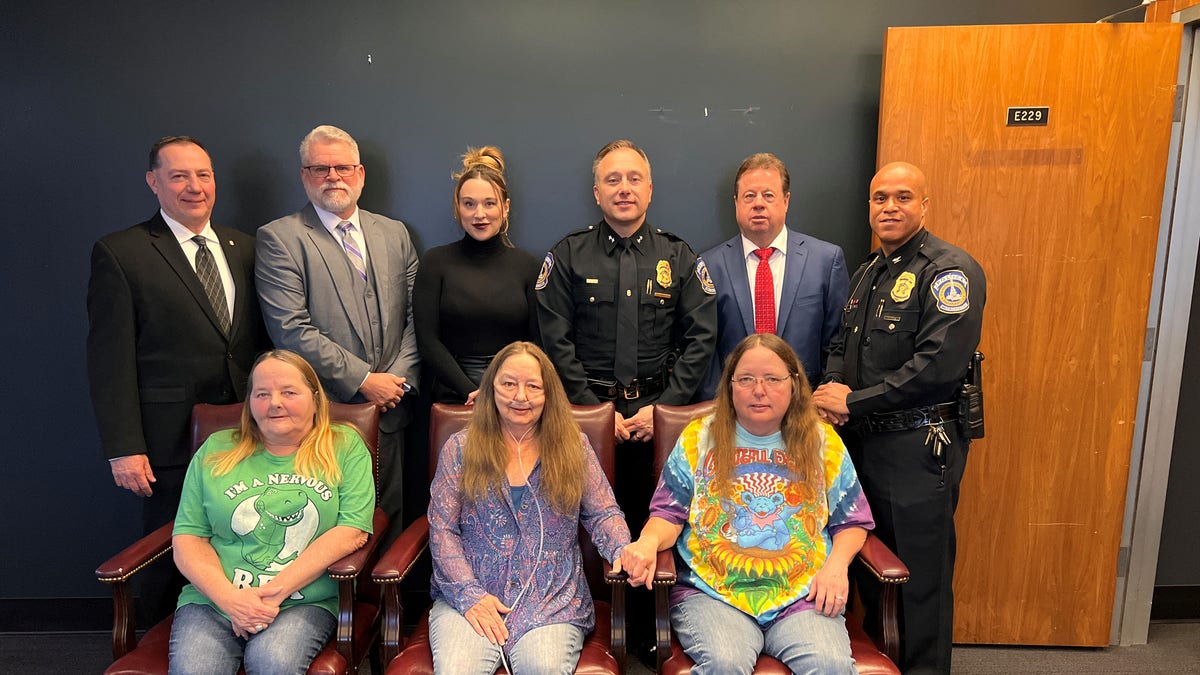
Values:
[(358, 597), (603, 648), (870, 656)]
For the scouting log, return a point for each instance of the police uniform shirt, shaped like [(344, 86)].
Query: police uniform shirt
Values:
[(910, 326), (577, 310)]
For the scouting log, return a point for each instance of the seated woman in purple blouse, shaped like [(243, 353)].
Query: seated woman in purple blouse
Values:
[(765, 511), (505, 507)]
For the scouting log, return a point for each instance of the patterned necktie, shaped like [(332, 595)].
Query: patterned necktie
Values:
[(353, 250), (210, 278), (625, 363), (764, 293)]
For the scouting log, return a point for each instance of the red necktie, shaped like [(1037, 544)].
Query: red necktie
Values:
[(764, 293)]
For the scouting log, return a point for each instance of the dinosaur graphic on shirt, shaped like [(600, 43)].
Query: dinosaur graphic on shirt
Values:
[(277, 511)]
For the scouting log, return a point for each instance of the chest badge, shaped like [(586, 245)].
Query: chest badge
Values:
[(663, 273), (904, 285)]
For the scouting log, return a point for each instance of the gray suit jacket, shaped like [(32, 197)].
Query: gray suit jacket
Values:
[(306, 290)]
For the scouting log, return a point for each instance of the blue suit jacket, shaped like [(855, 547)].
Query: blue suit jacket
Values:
[(815, 286)]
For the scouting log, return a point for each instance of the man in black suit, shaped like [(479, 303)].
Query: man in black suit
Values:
[(173, 320)]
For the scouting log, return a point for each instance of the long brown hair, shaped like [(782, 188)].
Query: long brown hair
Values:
[(485, 454), (801, 427), (315, 458)]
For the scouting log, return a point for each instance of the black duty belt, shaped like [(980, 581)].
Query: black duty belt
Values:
[(913, 418), (608, 390)]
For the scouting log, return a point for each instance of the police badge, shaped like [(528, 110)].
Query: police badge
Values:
[(664, 273), (904, 286)]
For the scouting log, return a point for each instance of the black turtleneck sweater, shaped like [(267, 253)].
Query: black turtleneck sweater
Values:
[(471, 298)]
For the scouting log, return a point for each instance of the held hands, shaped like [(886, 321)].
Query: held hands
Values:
[(485, 618), (830, 399), (383, 389), (638, 559), (640, 427), (829, 589), (133, 473)]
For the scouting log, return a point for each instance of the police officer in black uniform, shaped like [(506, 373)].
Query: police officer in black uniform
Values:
[(909, 332), (627, 315)]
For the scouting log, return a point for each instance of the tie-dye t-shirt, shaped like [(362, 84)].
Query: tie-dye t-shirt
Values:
[(760, 549)]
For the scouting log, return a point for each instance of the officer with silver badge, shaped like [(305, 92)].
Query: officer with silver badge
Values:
[(904, 374)]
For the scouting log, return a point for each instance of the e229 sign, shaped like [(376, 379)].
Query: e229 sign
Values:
[(1028, 117)]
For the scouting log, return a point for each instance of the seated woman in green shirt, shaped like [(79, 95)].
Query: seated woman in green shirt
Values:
[(265, 509)]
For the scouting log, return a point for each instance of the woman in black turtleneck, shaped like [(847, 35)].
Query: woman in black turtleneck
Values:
[(473, 297)]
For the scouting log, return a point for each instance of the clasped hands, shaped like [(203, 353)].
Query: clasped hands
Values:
[(640, 427), (830, 399), (251, 609), (383, 389)]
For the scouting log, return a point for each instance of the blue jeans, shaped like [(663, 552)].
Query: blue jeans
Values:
[(202, 642), (722, 639), (458, 649)]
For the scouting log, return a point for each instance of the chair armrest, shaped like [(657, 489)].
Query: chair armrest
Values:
[(397, 561), (890, 571), (664, 568), (136, 556), (881, 562), (354, 562), (611, 577)]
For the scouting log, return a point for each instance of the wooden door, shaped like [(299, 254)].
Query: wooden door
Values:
[(1064, 219)]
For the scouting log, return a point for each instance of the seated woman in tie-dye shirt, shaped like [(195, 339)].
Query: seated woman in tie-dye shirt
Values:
[(765, 510)]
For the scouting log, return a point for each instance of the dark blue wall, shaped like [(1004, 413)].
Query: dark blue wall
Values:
[(87, 86)]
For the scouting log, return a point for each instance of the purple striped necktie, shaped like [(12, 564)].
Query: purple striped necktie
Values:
[(353, 250)]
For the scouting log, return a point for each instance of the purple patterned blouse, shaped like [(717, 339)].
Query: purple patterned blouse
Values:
[(491, 547)]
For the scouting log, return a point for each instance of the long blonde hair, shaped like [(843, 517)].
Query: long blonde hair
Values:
[(801, 427), (315, 458), (485, 455)]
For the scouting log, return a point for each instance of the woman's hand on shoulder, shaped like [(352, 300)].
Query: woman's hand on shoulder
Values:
[(485, 617), (829, 588)]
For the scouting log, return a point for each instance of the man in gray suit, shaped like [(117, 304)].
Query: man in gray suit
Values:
[(335, 284)]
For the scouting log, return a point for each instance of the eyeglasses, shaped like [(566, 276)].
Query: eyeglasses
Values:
[(768, 381), (321, 171)]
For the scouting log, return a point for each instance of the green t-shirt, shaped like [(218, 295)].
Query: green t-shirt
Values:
[(261, 516)]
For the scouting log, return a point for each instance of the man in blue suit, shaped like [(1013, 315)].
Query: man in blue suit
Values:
[(773, 279)]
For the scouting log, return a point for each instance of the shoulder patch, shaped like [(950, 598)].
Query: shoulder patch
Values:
[(953, 292), (705, 280), (544, 274)]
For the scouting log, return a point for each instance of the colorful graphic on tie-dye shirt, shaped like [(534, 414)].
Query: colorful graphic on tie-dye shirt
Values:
[(758, 545), (762, 544)]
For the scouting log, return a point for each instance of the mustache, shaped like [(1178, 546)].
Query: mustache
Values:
[(334, 186)]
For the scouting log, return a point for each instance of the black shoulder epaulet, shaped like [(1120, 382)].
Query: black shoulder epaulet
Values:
[(575, 233)]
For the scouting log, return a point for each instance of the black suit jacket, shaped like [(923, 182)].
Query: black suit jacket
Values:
[(154, 346)]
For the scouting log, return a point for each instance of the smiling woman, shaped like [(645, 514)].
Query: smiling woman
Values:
[(278, 501)]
